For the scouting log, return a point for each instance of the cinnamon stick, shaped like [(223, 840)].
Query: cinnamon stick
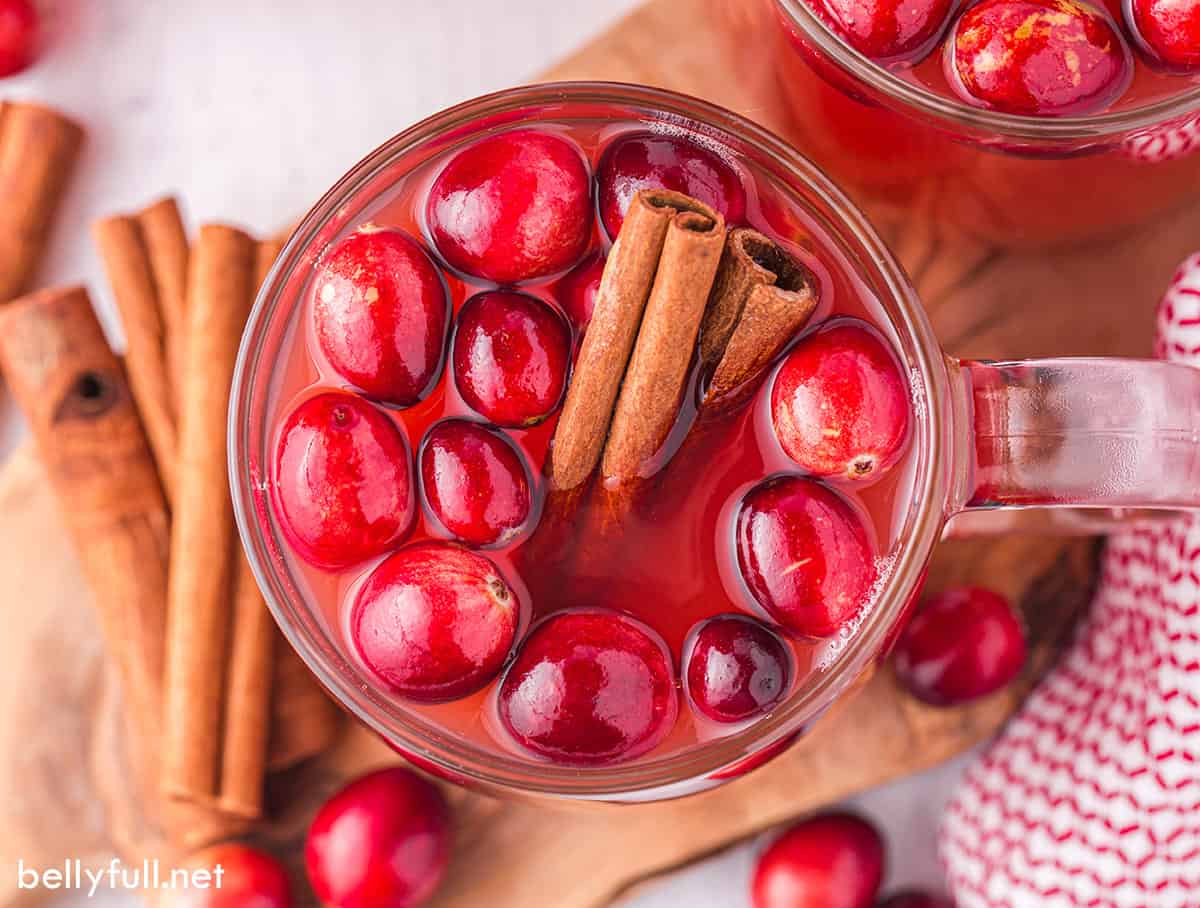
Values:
[(38, 151), (220, 289), (761, 297), (127, 262), (166, 244)]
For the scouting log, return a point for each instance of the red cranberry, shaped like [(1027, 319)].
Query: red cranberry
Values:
[(511, 355), (1169, 32), (647, 161), (18, 35), (577, 291), (834, 860), (1037, 57), (589, 687), (737, 668), (381, 314), (434, 621), (805, 554), (840, 404), (343, 481), (512, 207), (914, 899), (474, 481), (239, 877), (960, 646), (381, 842), (888, 31)]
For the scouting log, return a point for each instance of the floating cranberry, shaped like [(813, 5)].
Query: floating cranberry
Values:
[(434, 621), (840, 404), (805, 554), (1042, 58), (578, 289), (647, 161), (1169, 32), (18, 35), (962, 645), (834, 860), (588, 688), (381, 842), (381, 314), (238, 877), (474, 481), (888, 31), (737, 668), (343, 481), (914, 899), (512, 207), (511, 356)]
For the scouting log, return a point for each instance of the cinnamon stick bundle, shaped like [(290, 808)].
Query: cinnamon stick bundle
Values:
[(38, 151)]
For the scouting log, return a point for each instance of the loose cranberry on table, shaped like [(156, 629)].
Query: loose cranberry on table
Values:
[(963, 644), (511, 357), (512, 207), (840, 404), (1169, 32), (888, 31), (474, 481), (649, 161), (577, 290), (434, 621), (589, 688), (736, 668), (1038, 57), (381, 314), (18, 35), (914, 899), (381, 842), (239, 877), (343, 481), (833, 860), (805, 554)]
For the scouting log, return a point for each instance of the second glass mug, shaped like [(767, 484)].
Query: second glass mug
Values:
[(1097, 433)]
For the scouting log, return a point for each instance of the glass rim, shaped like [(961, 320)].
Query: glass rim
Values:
[(1015, 126), (463, 759)]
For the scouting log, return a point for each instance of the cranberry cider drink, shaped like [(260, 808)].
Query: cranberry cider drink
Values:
[(577, 504), (1002, 117)]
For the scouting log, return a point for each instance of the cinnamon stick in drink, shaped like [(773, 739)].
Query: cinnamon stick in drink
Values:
[(220, 290), (38, 151)]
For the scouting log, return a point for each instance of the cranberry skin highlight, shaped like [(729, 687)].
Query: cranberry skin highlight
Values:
[(962, 645), (512, 207), (888, 31), (383, 841), (1038, 58), (833, 860), (512, 353), (343, 481), (649, 161), (576, 292), (434, 621), (805, 555), (18, 36), (589, 688), (249, 879), (1168, 32), (736, 668), (475, 482), (381, 313), (840, 403)]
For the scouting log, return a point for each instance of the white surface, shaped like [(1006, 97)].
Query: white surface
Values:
[(250, 109)]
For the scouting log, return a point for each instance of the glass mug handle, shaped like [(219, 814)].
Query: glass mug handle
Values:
[(1116, 437)]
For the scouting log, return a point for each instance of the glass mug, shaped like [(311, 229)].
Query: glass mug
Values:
[(1013, 180), (1100, 433)]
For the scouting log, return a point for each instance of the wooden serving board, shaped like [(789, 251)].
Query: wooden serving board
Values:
[(63, 791)]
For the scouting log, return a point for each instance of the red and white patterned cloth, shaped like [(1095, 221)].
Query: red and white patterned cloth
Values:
[(1090, 797)]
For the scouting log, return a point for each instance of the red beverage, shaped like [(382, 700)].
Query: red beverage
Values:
[(1016, 153), (682, 554)]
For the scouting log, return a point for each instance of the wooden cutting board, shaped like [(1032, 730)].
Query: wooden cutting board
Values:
[(63, 791)]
